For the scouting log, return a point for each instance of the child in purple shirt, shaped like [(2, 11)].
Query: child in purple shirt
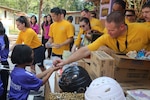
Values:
[(23, 81), (4, 50)]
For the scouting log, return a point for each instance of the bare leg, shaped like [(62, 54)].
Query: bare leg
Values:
[(49, 52)]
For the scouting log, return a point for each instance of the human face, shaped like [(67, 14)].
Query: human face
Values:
[(117, 7), (113, 30), (84, 26), (55, 17), (20, 26), (84, 14), (45, 19), (48, 18), (146, 14), (33, 20), (130, 16)]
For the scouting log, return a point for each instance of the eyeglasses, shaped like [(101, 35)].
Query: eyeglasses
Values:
[(82, 26), (129, 15)]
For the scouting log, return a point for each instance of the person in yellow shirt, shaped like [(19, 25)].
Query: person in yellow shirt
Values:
[(29, 37), (95, 25), (61, 33), (118, 5), (146, 14), (130, 15), (121, 38), (88, 34)]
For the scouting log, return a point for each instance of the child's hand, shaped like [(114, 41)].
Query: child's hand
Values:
[(56, 68), (58, 63)]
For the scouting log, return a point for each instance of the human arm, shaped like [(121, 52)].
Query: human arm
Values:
[(77, 41), (47, 73), (79, 54), (68, 41)]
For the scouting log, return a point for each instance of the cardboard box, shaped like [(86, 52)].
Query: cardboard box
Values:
[(56, 87), (90, 71), (123, 61), (129, 75), (81, 63), (47, 90), (102, 64), (135, 85)]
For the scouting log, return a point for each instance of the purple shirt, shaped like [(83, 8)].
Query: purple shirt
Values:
[(21, 83), (35, 28), (46, 29), (3, 51)]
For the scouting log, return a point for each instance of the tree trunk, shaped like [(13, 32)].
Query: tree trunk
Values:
[(40, 15)]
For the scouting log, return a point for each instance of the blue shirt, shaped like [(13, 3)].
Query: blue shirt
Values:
[(3, 51), (21, 83)]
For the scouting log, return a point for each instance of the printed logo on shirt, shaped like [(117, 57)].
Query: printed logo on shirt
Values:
[(15, 86)]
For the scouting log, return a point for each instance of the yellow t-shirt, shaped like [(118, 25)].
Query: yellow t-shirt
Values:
[(138, 37), (95, 25), (60, 32), (148, 25), (29, 37)]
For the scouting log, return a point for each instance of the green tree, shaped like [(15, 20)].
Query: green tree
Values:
[(32, 6)]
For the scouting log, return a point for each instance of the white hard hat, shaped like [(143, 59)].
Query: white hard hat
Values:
[(104, 88)]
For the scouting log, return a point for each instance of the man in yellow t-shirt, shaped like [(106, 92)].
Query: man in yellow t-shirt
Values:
[(61, 33), (118, 5), (146, 14), (95, 25), (121, 38)]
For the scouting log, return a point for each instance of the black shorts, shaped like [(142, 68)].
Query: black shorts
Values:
[(53, 55), (39, 56)]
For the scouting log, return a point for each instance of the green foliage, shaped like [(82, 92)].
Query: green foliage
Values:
[(32, 6)]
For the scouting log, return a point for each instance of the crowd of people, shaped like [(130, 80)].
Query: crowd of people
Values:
[(121, 33)]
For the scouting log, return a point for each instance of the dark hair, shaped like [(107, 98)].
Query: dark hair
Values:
[(21, 54), (56, 10), (132, 11), (46, 23), (117, 17), (86, 20), (85, 10), (33, 16), (45, 16), (63, 11), (146, 4), (2, 32), (23, 19), (94, 14), (70, 18), (121, 3)]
